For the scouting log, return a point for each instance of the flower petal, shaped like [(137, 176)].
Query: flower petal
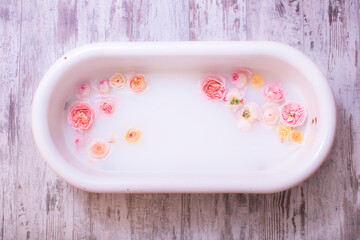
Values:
[(244, 124)]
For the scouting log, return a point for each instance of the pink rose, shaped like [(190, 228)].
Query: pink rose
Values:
[(293, 114), (107, 106), (213, 87), (81, 116), (241, 77), (273, 92)]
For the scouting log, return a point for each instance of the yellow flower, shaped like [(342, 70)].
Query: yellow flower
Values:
[(283, 132), (257, 80), (296, 136)]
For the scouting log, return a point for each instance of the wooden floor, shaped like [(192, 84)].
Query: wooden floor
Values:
[(36, 204)]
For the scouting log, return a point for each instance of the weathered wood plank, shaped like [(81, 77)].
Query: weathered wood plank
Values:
[(47, 31), (10, 28), (332, 40)]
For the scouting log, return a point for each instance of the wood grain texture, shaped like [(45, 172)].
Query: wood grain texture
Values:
[(36, 204)]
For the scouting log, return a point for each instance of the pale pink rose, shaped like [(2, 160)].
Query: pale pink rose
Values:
[(247, 115), (213, 87), (270, 113), (234, 99), (241, 77), (103, 86), (273, 92), (293, 114), (81, 116), (83, 90)]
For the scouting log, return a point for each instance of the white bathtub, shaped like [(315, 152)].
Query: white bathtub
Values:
[(221, 160)]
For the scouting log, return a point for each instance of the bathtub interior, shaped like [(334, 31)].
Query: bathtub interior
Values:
[(187, 134)]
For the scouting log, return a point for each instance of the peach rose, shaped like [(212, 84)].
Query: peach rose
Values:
[(83, 90), (81, 116), (273, 92), (293, 114), (241, 77), (99, 149), (213, 87), (117, 80), (132, 135), (137, 83)]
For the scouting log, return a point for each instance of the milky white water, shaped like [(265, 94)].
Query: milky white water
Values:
[(182, 130)]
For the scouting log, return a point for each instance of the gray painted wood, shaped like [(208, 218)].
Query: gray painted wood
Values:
[(36, 204)]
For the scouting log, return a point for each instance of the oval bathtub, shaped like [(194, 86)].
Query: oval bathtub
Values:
[(189, 144)]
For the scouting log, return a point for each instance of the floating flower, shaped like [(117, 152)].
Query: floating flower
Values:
[(83, 90), (257, 80), (99, 149), (270, 113), (273, 92), (241, 77), (296, 136), (132, 135), (293, 114), (137, 83), (81, 116), (117, 80), (80, 141), (213, 87), (247, 115), (106, 106), (234, 98), (103, 86), (283, 132)]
